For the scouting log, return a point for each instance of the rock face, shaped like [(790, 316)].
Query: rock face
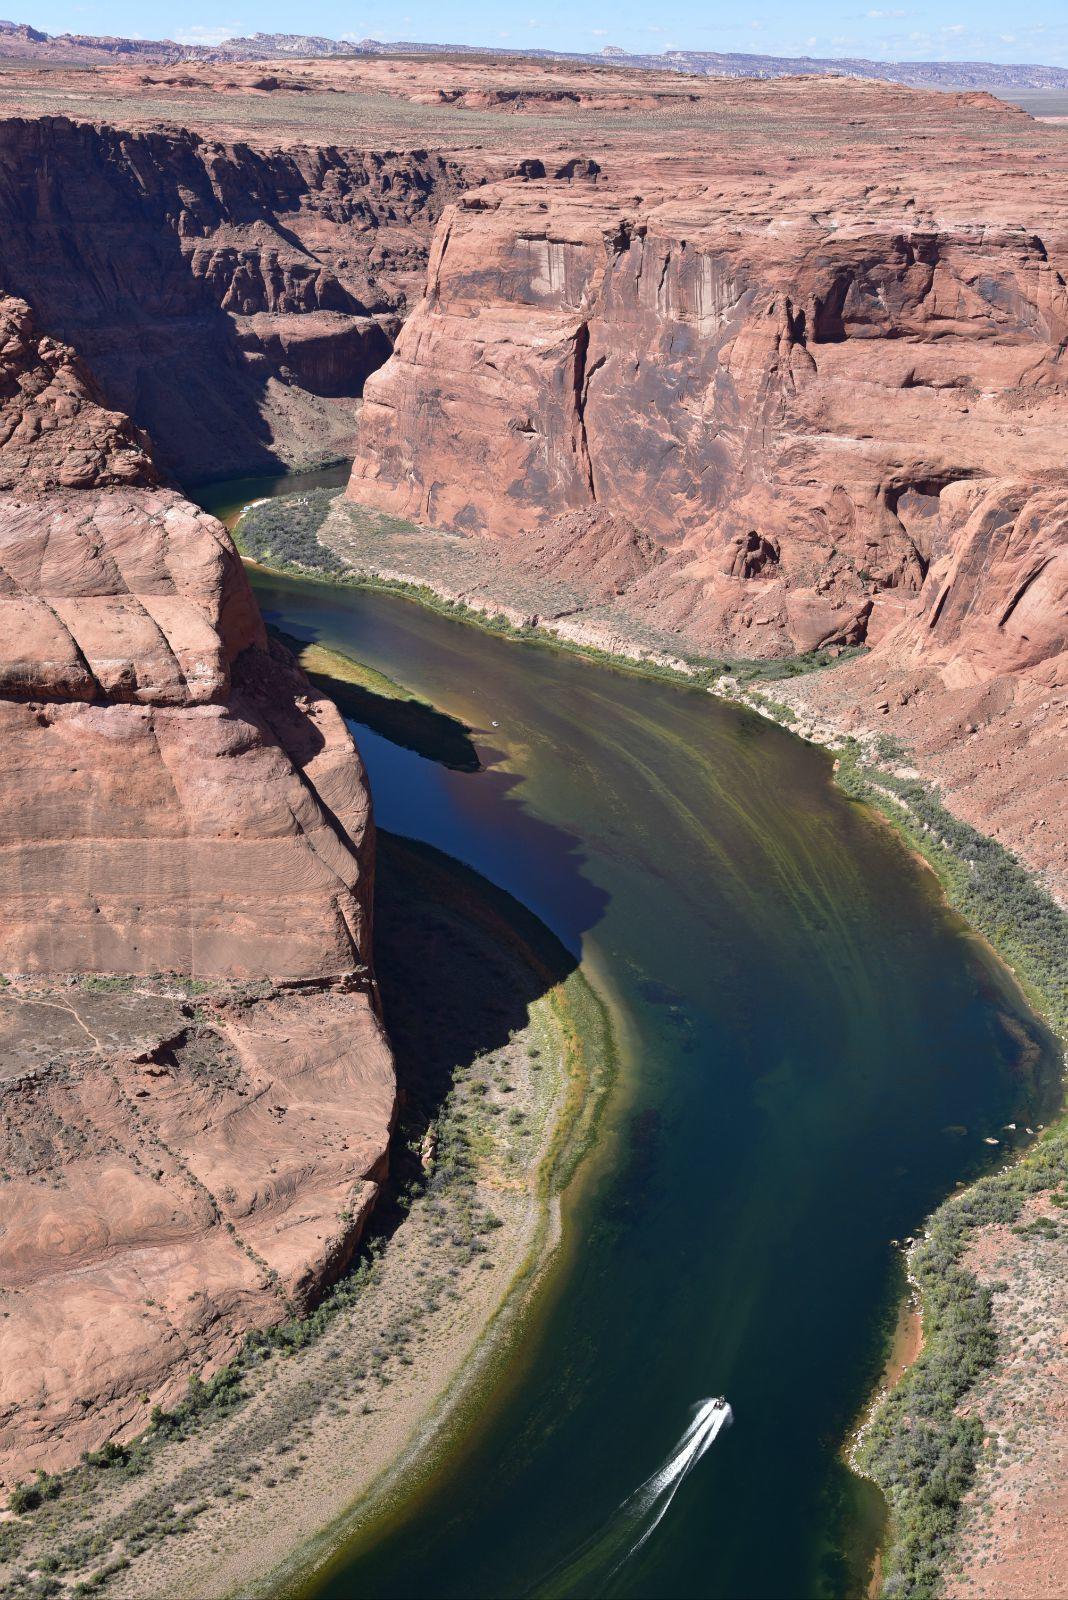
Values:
[(825, 376), (780, 404), (974, 676), (55, 432), (190, 1140), (176, 1173), (230, 301)]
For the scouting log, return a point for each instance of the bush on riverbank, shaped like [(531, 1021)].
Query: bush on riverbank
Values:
[(983, 881), (283, 533), (922, 1446)]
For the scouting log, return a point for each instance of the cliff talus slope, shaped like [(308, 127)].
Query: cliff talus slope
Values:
[(195, 1091)]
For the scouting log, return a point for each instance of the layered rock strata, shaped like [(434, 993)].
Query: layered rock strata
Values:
[(779, 403), (229, 300), (195, 1090), (834, 407)]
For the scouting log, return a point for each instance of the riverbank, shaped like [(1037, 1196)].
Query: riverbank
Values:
[(504, 1054), (967, 1436), (931, 1493), (322, 536)]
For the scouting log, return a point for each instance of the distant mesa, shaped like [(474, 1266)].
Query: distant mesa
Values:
[(19, 41)]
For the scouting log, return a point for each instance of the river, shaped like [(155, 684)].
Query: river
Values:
[(814, 1051)]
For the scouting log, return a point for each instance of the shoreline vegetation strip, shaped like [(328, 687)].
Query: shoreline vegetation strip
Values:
[(282, 537), (918, 1443)]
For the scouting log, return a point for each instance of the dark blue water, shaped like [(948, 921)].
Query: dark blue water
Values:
[(814, 1051)]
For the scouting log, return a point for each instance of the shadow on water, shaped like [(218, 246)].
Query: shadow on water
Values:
[(401, 718), (460, 963), (409, 723)]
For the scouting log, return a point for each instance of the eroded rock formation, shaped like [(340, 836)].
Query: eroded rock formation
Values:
[(778, 402), (231, 301), (799, 382), (195, 1090), (972, 675)]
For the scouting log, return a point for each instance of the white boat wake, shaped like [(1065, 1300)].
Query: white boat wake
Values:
[(641, 1513), (649, 1504)]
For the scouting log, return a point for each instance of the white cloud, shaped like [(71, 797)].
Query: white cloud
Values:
[(598, 33), (199, 33), (953, 27)]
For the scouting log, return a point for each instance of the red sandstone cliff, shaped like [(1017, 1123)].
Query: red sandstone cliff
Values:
[(780, 404), (230, 300), (827, 387), (974, 676), (178, 1163)]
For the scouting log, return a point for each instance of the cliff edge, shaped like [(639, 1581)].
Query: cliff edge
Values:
[(195, 1090)]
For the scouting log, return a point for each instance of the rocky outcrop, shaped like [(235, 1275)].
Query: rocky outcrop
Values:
[(195, 1090), (973, 677), (178, 1169), (55, 431)]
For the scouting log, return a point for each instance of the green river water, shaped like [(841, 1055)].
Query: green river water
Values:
[(813, 1052)]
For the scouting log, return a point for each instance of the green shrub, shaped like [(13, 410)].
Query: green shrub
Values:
[(26, 1497), (283, 532)]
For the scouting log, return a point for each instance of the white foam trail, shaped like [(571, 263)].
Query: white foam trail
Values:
[(651, 1500), (642, 1511)]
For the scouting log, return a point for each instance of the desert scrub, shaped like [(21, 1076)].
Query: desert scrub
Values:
[(775, 709), (982, 880), (26, 1497), (283, 533), (922, 1446)]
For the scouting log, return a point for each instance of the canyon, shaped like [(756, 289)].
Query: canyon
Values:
[(759, 370)]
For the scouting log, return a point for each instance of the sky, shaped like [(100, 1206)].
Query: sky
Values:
[(943, 30)]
